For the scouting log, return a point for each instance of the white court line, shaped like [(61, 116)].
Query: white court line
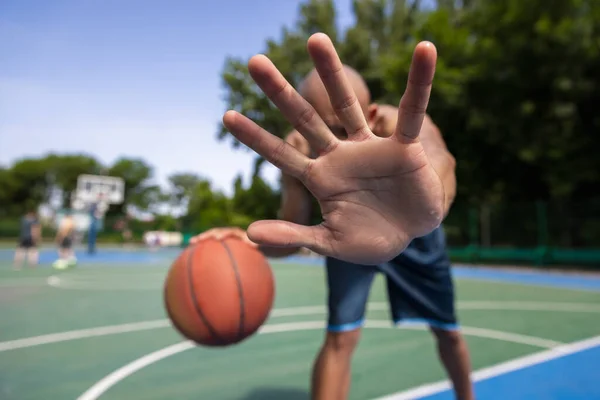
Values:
[(82, 333), (501, 335), (112, 379), (499, 369), (528, 306), (115, 377), (295, 311)]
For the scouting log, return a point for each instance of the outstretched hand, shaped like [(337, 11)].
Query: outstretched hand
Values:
[(376, 194)]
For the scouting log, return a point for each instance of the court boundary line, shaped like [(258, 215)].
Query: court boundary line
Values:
[(500, 369), (118, 375), (286, 312), (495, 279)]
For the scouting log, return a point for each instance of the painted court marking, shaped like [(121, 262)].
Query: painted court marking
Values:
[(82, 333), (151, 281), (313, 310), (115, 377), (557, 349), (500, 369), (114, 282)]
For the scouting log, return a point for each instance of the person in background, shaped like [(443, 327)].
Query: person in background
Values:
[(29, 238), (64, 240), (95, 215)]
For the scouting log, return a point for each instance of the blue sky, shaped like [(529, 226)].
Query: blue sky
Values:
[(139, 78)]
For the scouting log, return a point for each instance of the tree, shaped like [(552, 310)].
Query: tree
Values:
[(28, 185), (515, 92), (379, 24), (181, 188), (258, 201), (64, 170), (136, 174), (207, 208), (292, 59)]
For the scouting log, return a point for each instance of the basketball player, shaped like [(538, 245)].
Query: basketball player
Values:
[(95, 216), (64, 239), (30, 236), (384, 181)]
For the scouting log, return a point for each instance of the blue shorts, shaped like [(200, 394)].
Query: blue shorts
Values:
[(419, 285)]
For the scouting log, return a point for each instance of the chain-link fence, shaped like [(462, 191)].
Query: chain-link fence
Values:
[(538, 232)]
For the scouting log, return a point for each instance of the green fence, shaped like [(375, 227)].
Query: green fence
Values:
[(540, 233)]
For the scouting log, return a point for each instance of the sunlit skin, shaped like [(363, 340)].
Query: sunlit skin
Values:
[(385, 185)]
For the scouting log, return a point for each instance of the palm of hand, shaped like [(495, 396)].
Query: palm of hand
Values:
[(376, 194)]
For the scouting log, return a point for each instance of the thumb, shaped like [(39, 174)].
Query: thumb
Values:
[(277, 233)]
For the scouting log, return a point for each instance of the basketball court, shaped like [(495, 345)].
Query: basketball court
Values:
[(100, 331)]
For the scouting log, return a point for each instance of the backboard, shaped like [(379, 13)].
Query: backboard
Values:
[(91, 188)]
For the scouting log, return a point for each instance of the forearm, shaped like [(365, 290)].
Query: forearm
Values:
[(444, 164), (442, 161)]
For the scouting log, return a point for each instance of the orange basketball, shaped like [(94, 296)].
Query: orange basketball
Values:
[(218, 293)]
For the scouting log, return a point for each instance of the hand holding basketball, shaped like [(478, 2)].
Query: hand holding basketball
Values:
[(219, 292), (375, 194)]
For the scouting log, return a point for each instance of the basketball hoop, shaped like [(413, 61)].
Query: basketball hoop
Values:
[(96, 192)]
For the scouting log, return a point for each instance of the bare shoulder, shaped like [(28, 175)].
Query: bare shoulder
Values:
[(298, 141)]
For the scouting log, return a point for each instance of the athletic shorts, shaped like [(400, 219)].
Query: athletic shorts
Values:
[(66, 243), (419, 287), (26, 243)]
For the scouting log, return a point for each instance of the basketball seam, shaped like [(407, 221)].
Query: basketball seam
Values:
[(240, 288), (174, 321), (195, 299)]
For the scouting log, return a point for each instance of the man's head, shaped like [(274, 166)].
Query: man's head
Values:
[(313, 90)]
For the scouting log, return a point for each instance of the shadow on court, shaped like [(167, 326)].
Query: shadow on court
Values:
[(276, 393)]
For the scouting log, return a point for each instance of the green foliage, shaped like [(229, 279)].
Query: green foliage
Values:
[(182, 187), (515, 95), (136, 173), (515, 90), (259, 200), (208, 208)]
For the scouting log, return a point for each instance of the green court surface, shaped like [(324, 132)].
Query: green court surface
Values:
[(107, 325)]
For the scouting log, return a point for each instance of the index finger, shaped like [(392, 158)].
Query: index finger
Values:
[(413, 104), (342, 96)]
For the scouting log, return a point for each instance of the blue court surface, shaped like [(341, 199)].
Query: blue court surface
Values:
[(569, 369)]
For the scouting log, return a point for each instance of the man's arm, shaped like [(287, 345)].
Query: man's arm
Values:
[(442, 161), (431, 138), (295, 199)]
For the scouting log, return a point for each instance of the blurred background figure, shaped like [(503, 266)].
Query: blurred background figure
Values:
[(64, 240), (29, 239)]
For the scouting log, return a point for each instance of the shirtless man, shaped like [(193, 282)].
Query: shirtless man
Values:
[(64, 240), (29, 239), (384, 180)]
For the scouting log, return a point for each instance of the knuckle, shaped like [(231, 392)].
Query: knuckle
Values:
[(412, 108), (345, 103), (278, 90), (278, 153), (420, 83), (304, 118), (307, 172)]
